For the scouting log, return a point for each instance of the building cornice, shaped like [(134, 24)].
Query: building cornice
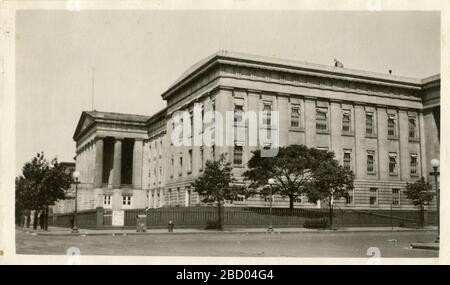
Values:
[(291, 67)]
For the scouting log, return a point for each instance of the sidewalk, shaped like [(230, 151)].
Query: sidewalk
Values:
[(84, 232)]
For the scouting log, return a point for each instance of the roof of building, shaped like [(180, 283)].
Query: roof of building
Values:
[(87, 119), (117, 116), (291, 64)]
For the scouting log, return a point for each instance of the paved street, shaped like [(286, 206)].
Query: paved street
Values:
[(300, 244)]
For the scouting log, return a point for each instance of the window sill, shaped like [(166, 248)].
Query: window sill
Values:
[(413, 140), (238, 166), (414, 175), (371, 173), (348, 134), (394, 138), (322, 132), (296, 129), (371, 136), (393, 174)]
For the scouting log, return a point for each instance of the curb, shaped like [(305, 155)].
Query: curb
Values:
[(226, 232), (430, 246)]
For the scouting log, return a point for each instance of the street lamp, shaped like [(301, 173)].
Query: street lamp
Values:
[(75, 175), (271, 182), (435, 173)]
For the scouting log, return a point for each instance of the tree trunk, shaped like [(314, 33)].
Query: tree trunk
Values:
[(46, 219), (291, 203), (421, 216), (35, 220), (331, 215), (219, 216)]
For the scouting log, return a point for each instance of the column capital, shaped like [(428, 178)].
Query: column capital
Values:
[(139, 139), (119, 138)]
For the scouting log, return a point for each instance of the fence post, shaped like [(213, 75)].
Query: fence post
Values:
[(99, 216)]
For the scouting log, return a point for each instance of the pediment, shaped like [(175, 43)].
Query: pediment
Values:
[(84, 123)]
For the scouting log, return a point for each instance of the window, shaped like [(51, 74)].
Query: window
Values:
[(190, 160), (126, 200), (392, 163), (187, 200), (321, 119), (391, 125), (396, 197), (267, 115), (238, 114), (201, 158), (295, 116), (213, 152), (369, 123), (373, 196), (237, 155), (370, 161), (202, 120), (182, 129), (347, 159), (298, 200), (106, 200), (191, 120), (412, 127), (346, 121), (240, 198), (181, 165), (172, 163), (413, 164), (269, 198)]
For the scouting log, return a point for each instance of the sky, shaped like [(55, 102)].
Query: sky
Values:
[(137, 55)]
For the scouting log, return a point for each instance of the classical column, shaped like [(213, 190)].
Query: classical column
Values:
[(98, 176), (137, 163), (117, 166)]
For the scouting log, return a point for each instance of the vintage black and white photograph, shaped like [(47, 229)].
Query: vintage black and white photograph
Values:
[(227, 133)]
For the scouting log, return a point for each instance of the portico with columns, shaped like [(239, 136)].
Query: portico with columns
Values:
[(109, 156)]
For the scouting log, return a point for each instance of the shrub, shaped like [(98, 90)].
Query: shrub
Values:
[(316, 223), (211, 225)]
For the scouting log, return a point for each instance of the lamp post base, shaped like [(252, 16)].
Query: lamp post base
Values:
[(74, 230)]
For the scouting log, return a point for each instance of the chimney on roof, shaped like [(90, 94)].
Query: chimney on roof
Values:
[(338, 64)]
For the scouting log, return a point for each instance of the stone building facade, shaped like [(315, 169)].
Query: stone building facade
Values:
[(383, 127)]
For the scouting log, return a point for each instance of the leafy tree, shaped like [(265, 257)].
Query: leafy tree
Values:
[(420, 195), (41, 184), (25, 197), (291, 168), (217, 184), (330, 182)]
